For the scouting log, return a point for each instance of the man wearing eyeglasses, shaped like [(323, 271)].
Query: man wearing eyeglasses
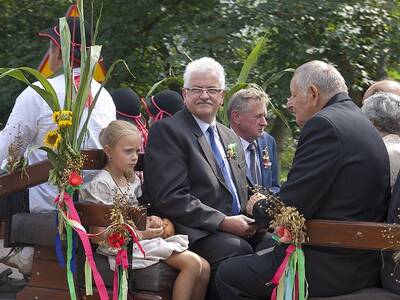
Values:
[(195, 171)]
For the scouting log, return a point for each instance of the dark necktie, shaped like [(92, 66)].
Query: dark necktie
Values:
[(254, 170), (224, 170)]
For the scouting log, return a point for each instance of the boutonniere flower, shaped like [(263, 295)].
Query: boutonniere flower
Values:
[(265, 158), (231, 152)]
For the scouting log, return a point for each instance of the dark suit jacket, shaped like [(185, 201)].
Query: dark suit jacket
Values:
[(390, 274), (182, 178), (340, 172), (270, 175)]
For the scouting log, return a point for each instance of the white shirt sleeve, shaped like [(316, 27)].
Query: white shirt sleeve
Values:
[(22, 121)]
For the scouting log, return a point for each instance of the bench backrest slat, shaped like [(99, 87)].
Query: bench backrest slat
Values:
[(355, 235), (39, 173), (99, 214)]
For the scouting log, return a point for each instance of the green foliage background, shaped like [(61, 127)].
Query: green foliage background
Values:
[(157, 38)]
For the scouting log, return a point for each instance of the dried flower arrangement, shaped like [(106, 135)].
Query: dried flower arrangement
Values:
[(289, 228)]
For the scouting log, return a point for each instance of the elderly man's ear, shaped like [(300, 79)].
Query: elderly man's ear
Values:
[(314, 96)]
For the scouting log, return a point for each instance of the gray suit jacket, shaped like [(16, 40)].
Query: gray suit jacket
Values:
[(182, 179)]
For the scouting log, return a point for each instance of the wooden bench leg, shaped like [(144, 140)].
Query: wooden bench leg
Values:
[(48, 279)]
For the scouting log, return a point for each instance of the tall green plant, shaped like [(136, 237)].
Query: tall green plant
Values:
[(241, 83)]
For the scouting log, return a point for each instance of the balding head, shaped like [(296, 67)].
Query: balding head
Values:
[(312, 86), (384, 86)]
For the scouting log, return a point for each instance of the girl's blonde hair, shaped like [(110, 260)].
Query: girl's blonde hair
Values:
[(116, 130)]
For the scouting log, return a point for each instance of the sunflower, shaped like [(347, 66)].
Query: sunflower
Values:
[(64, 119), (52, 139), (56, 115)]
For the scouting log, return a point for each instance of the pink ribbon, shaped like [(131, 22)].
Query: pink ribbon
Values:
[(73, 215), (135, 239), (281, 270)]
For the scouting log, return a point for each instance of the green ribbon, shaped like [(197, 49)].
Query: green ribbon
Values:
[(301, 272), (120, 280), (70, 276), (88, 279), (280, 294), (124, 284), (290, 274), (71, 189)]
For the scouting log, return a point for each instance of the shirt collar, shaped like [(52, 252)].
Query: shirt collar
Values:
[(245, 143), (204, 125)]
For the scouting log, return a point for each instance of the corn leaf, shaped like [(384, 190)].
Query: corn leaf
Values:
[(274, 78), (281, 116), (83, 91), (108, 75), (66, 55), (46, 91), (156, 85), (251, 60), (228, 95), (96, 31), (53, 157), (83, 35)]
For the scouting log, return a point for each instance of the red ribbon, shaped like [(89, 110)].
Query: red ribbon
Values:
[(281, 270)]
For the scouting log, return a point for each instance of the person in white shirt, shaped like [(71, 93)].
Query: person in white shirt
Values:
[(31, 117)]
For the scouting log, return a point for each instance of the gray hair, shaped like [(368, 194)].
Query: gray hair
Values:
[(204, 65), (324, 76), (239, 101), (383, 110)]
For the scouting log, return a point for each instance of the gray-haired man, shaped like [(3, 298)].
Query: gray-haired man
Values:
[(340, 172)]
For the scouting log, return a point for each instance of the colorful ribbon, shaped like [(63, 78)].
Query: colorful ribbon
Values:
[(71, 218), (120, 275), (289, 279)]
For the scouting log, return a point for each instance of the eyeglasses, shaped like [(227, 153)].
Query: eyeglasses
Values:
[(210, 91)]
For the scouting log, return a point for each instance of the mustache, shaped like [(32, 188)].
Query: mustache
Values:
[(204, 102)]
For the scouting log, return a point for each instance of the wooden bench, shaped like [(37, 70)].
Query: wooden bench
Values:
[(48, 278), (341, 234)]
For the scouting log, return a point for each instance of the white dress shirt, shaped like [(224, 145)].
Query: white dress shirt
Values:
[(31, 118), (204, 126)]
